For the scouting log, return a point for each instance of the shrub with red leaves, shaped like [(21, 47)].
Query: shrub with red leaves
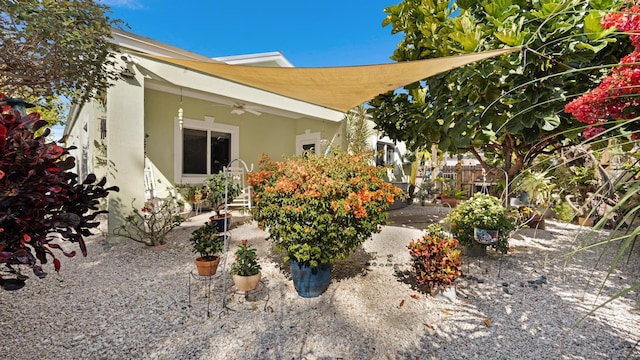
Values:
[(41, 200), (436, 260)]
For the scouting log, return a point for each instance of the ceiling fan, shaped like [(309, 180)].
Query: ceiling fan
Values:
[(240, 108)]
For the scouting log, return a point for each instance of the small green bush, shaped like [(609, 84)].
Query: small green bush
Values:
[(564, 212), (482, 211)]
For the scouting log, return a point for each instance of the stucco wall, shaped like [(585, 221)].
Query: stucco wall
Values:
[(266, 133)]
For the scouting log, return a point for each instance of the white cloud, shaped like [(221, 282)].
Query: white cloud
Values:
[(131, 4)]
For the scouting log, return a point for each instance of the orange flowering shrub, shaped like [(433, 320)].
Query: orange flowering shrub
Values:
[(320, 208)]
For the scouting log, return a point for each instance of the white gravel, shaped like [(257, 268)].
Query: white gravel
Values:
[(125, 301)]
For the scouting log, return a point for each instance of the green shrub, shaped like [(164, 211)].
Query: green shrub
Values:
[(486, 212), (564, 212)]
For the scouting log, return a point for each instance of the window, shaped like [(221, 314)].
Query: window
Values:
[(195, 156), (308, 142), (384, 153), (204, 148)]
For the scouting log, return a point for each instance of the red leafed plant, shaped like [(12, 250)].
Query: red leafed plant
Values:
[(616, 98), (436, 259), (40, 198)]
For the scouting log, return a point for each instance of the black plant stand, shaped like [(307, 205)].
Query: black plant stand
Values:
[(239, 297), (207, 281)]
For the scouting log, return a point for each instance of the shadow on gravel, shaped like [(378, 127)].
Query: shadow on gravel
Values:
[(355, 265), (492, 322), (404, 218)]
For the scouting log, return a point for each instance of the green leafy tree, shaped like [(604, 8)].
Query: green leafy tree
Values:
[(51, 48), (510, 107)]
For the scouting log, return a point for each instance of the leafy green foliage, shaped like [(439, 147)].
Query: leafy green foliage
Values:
[(216, 185), (357, 130), (510, 106), (435, 259), (485, 212), (539, 186), (40, 197), (52, 48), (320, 208), (246, 261), (206, 241), (564, 212)]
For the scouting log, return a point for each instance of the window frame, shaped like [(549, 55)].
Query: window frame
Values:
[(308, 138), (207, 125), (388, 153)]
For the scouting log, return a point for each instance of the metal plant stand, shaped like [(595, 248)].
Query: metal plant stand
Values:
[(241, 298), (208, 283), (228, 178)]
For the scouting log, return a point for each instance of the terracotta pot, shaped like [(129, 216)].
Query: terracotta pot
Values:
[(247, 283), (448, 200), (207, 267), (537, 222), (585, 221)]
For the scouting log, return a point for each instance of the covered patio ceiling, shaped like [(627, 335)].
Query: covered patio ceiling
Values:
[(337, 88)]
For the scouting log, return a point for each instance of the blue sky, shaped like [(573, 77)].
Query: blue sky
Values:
[(309, 33)]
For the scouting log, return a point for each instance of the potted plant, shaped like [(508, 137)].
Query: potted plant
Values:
[(435, 260), (537, 186), (245, 269), (425, 189), (532, 217), (207, 243), (218, 190), (318, 209), (449, 195), (194, 193), (484, 212)]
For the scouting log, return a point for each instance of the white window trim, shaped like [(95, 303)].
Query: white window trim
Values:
[(306, 139), (207, 125), (385, 152)]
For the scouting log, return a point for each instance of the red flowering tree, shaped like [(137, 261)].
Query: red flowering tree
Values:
[(41, 201), (616, 98)]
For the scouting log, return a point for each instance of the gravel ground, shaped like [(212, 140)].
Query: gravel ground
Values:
[(126, 301)]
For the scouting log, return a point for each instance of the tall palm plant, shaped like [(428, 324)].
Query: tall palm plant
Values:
[(357, 130)]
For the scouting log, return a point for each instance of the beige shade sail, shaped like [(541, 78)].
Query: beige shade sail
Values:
[(338, 88)]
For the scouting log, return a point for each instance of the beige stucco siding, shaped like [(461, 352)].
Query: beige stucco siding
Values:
[(266, 133)]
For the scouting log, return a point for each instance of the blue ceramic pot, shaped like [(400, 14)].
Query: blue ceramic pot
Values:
[(310, 282), (219, 221)]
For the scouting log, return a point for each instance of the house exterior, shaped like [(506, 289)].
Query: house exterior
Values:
[(180, 116), (184, 124)]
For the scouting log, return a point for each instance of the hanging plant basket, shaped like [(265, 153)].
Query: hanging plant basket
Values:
[(485, 236)]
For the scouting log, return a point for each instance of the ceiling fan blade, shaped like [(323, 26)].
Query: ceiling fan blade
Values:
[(254, 112)]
